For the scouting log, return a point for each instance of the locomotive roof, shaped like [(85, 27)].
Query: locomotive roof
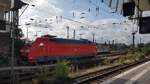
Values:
[(49, 36), (70, 40)]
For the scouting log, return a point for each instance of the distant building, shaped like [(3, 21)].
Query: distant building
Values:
[(9, 17), (103, 47)]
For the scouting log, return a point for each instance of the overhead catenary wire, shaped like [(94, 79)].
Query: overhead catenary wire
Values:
[(95, 5), (79, 21)]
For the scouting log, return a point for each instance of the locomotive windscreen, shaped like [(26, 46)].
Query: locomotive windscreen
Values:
[(70, 41)]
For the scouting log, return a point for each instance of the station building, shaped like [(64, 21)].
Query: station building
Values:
[(8, 21), (5, 41)]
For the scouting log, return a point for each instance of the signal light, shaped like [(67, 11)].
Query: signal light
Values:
[(128, 8), (144, 25)]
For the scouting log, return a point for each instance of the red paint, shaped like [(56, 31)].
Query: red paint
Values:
[(43, 46), (25, 51)]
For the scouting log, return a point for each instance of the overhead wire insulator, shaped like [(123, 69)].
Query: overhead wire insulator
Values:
[(110, 3), (56, 19), (83, 13), (40, 21), (90, 1), (73, 14), (117, 5), (89, 10), (82, 17), (82, 26), (97, 10), (61, 18)]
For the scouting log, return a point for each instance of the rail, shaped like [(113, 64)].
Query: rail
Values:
[(86, 79), (22, 73)]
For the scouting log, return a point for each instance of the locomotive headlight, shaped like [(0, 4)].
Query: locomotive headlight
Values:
[(21, 50), (41, 45)]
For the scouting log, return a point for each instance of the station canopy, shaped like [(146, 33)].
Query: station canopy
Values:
[(127, 8), (5, 4), (144, 5)]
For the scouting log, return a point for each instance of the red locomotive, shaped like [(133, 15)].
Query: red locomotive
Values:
[(49, 48), (24, 51)]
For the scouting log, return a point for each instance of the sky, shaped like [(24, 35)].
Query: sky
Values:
[(53, 16)]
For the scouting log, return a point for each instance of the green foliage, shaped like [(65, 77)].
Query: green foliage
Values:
[(132, 56), (18, 45), (42, 76), (140, 53), (18, 33), (146, 50), (18, 42), (105, 62), (4, 61), (121, 60), (61, 70)]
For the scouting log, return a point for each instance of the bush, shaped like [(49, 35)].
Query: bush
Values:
[(4, 61), (61, 70), (43, 76), (105, 62)]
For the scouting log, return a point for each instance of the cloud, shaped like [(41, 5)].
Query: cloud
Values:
[(47, 20)]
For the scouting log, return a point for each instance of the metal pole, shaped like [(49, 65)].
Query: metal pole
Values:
[(93, 37), (133, 39), (27, 29), (140, 40), (74, 34), (80, 36), (27, 32), (117, 4), (12, 48), (67, 32)]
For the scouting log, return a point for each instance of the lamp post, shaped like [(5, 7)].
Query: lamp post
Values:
[(27, 30), (133, 38), (67, 32), (13, 20), (74, 34), (36, 35), (80, 35), (93, 34), (12, 50)]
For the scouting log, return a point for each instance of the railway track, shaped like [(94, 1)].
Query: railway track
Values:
[(27, 67), (22, 73), (99, 76), (111, 54)]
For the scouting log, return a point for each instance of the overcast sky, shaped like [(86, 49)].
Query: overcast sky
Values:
[(51, 17)]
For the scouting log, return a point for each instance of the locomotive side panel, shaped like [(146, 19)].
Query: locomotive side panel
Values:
[(65, 49), (44, 49)]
